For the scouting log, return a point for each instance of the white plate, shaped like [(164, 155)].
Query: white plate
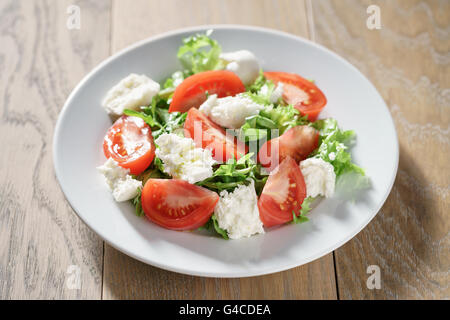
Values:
[(352, 100)]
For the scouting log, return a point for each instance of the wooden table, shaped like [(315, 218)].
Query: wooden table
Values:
[(41, 60)]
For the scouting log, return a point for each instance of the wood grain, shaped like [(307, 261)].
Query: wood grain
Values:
[(408, 60), (40, 62), (130, 279)]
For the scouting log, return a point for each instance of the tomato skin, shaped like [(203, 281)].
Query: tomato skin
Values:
[(303, 94), (297, 142), (191, 93), (283, 193), (176, 204), (211, 136), (130, 134)]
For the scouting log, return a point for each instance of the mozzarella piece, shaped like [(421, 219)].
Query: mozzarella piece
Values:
[(244, 64), (123, 186), (237, 212), (319, 177), (182, 160), (230, 112), (130, 93)]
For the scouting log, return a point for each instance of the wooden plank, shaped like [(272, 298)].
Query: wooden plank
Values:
[(40, 62), (408, 60), (126, 278), (130, 279)]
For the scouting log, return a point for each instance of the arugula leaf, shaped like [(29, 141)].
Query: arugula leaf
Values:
[(234, 173), (137, 204), (146, 117), (218, 229), (159, 118), (194, 56), (213, 226)]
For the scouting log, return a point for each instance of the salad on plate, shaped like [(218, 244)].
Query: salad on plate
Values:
[(223, 145)]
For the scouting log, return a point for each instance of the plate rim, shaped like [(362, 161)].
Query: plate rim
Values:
[(198, 28)]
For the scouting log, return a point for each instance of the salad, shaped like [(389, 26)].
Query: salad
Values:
[(223, 145)]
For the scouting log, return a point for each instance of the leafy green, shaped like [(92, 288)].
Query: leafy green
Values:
[(200, 53), (306, 205), (333, 148), (137, 204), (159, 118), (176, 78), (146, 117), (218, 229), (279, 118), (258, 84), (263, 96), (172, 82), (261, 90), (213, 225), (234, 173), (305, 209), (285, 117), (298, 219)]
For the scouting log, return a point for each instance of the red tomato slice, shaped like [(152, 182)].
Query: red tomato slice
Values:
[(300, 92), (209, 135), (283, 193), (191, 93), (297, 143), (176, 204), (129, 142)]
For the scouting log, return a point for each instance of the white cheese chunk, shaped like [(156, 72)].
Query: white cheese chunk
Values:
[(130, 93), (237, 212), (243, 63), (123, 186), (182, 160), (230, 112), (319, 177)]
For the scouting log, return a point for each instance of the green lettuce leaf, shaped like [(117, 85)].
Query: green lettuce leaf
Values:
[(261, 125), (334, 144), (200, 53), (305, 209)]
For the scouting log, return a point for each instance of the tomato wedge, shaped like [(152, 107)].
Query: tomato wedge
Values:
[(129, 142), (191, 93), (176, 204), (300, 92), (297, 143), (283, 193), (209, 135)]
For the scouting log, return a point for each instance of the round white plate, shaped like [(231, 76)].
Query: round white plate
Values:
[(352, 100)]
